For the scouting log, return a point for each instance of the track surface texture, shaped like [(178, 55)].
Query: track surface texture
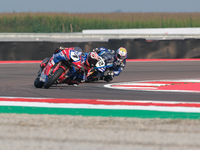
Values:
[(76, 132), (17, 81)]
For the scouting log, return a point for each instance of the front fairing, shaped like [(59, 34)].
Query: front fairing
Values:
[(73, 56), (53, 65), (65, 59), (46, 70), (59, 57), (103, 65)]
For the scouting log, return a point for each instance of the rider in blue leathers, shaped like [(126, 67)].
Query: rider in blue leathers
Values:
[(119, 62)]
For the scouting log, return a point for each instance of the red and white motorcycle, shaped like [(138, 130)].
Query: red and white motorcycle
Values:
[(56, 70)]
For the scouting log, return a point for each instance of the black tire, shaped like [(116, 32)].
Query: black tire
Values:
[(108, 78), (56, 75), (38, 83)]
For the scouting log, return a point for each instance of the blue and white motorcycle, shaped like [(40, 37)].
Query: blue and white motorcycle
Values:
[(103, 69)]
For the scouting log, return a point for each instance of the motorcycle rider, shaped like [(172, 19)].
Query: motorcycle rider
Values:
[(76, 74), (119, 62), (89, 61)]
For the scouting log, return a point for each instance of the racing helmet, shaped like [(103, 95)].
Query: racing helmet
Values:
[(121, 54), (92, 59)]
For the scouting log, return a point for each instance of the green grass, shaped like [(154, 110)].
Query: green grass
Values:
[(66, 22)]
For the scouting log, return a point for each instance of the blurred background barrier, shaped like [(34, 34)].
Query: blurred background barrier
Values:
[(33, 36), (149, 31), (138, 48)]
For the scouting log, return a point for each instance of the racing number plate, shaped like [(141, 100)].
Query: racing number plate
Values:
[(100, 63)]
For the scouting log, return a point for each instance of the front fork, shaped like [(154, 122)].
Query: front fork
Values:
[(64, 74)]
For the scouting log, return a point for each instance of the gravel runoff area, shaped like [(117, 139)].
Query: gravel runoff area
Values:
[(61, 132)]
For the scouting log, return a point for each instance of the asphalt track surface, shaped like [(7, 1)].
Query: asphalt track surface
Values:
[(17, 81), (46, 132)]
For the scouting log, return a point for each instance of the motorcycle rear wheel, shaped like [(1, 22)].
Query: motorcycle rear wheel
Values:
[(56, 75), (38, 83)]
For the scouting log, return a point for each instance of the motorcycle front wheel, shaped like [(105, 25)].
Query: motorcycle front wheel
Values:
[(51, 81), (38, 83)]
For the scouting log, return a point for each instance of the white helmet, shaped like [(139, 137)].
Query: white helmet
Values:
[(121, 54)]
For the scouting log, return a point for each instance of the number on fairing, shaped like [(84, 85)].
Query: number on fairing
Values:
[(100, 63), (74, 56)]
